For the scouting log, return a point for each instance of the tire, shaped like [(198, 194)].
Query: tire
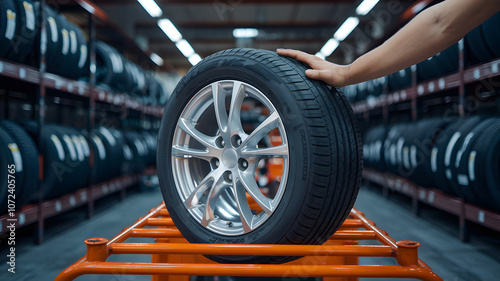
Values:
[(476, 49), (29, 157), (400, 80), (490, 30), (22, 47), (321, 148), (420, 147), (52, 39), (6, 158), (480, 164), (373, 147), (7, 25)]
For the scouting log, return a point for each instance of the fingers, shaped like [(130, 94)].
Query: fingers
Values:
[(298, 55), (322, 75)]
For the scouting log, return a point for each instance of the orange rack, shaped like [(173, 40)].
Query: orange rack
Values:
[(173, 258)]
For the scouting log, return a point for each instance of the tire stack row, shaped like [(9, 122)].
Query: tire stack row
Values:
[(481, 45), (119, 74), (63, 43), (66, 158), (461, 156), (67, 54)]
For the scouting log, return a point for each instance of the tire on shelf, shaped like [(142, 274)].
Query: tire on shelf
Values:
[(8, 15), (457, 153), (54, 161), (100, 159), (420, 148), (440, 160), (373, 147), (27, 28), (53, 39), (6, 159), (321, 152), (28, 170), (139, 150), (110, 65), (490, 30), (479, 165), (476, 49)]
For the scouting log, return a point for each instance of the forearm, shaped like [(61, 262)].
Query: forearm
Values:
[(430, 32)]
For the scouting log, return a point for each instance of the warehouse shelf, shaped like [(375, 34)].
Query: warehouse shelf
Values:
[(33, 213), (32, 75), (173, 257), (436, 198), (455, 80)]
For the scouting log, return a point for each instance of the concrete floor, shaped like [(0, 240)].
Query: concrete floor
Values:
[(436, 231)]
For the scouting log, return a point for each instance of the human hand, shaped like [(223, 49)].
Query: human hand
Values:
[(332, 74)]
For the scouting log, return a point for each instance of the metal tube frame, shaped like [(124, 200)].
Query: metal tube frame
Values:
[(158, 224)]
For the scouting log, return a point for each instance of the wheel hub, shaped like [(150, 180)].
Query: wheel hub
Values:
[(229, 158)]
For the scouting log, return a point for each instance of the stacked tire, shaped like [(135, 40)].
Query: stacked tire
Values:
[(18, 149), (120, 74), (461, 156), (18, 29)]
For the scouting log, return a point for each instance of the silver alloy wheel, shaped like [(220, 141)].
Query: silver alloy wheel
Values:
[(215, 161)]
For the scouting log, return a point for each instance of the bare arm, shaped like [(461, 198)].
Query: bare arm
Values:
[(430, 32)]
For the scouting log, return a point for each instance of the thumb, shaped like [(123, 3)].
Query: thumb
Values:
[(317, 74)]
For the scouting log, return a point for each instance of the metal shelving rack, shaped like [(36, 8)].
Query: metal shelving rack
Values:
[(41, 80), (458, 81), (173, 258)]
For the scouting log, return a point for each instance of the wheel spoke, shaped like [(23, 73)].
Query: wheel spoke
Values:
[(219, 97), (244, 210), (274, 151), (248, 181), (189, 128), (237, 97), (265, 127), (204, 184), (213, 195), (187, 152)]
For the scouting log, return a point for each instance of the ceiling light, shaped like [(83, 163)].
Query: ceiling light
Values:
[(320, 55), (194, 59), (245, 32), (156, 59), (346, 28), (185, 48), (365, 7), (170, 30), (329, 47), (151, 7)]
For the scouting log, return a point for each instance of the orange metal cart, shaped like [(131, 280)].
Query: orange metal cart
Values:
[(173, 258)]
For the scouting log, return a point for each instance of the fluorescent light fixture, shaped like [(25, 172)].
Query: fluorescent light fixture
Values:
[(170, 30), (185, 48), (365, 7), (245, 32), (346, 28), (151, 7), (329, 47), (156, 59), (194, 59), (320, 55)]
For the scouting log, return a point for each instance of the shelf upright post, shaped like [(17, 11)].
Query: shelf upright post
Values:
[(91, 115), (385, 105), (40, 118), (414, 116), (461, 89), (123, 117)]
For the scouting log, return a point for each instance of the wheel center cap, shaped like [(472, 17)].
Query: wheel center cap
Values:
[(229, 158)]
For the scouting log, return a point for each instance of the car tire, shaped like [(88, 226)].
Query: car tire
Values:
[(321, 150)]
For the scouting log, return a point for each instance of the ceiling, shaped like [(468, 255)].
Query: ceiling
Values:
[(208, 25)]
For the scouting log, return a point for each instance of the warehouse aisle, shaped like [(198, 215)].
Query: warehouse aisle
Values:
[(437, 233), (441, 249)]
